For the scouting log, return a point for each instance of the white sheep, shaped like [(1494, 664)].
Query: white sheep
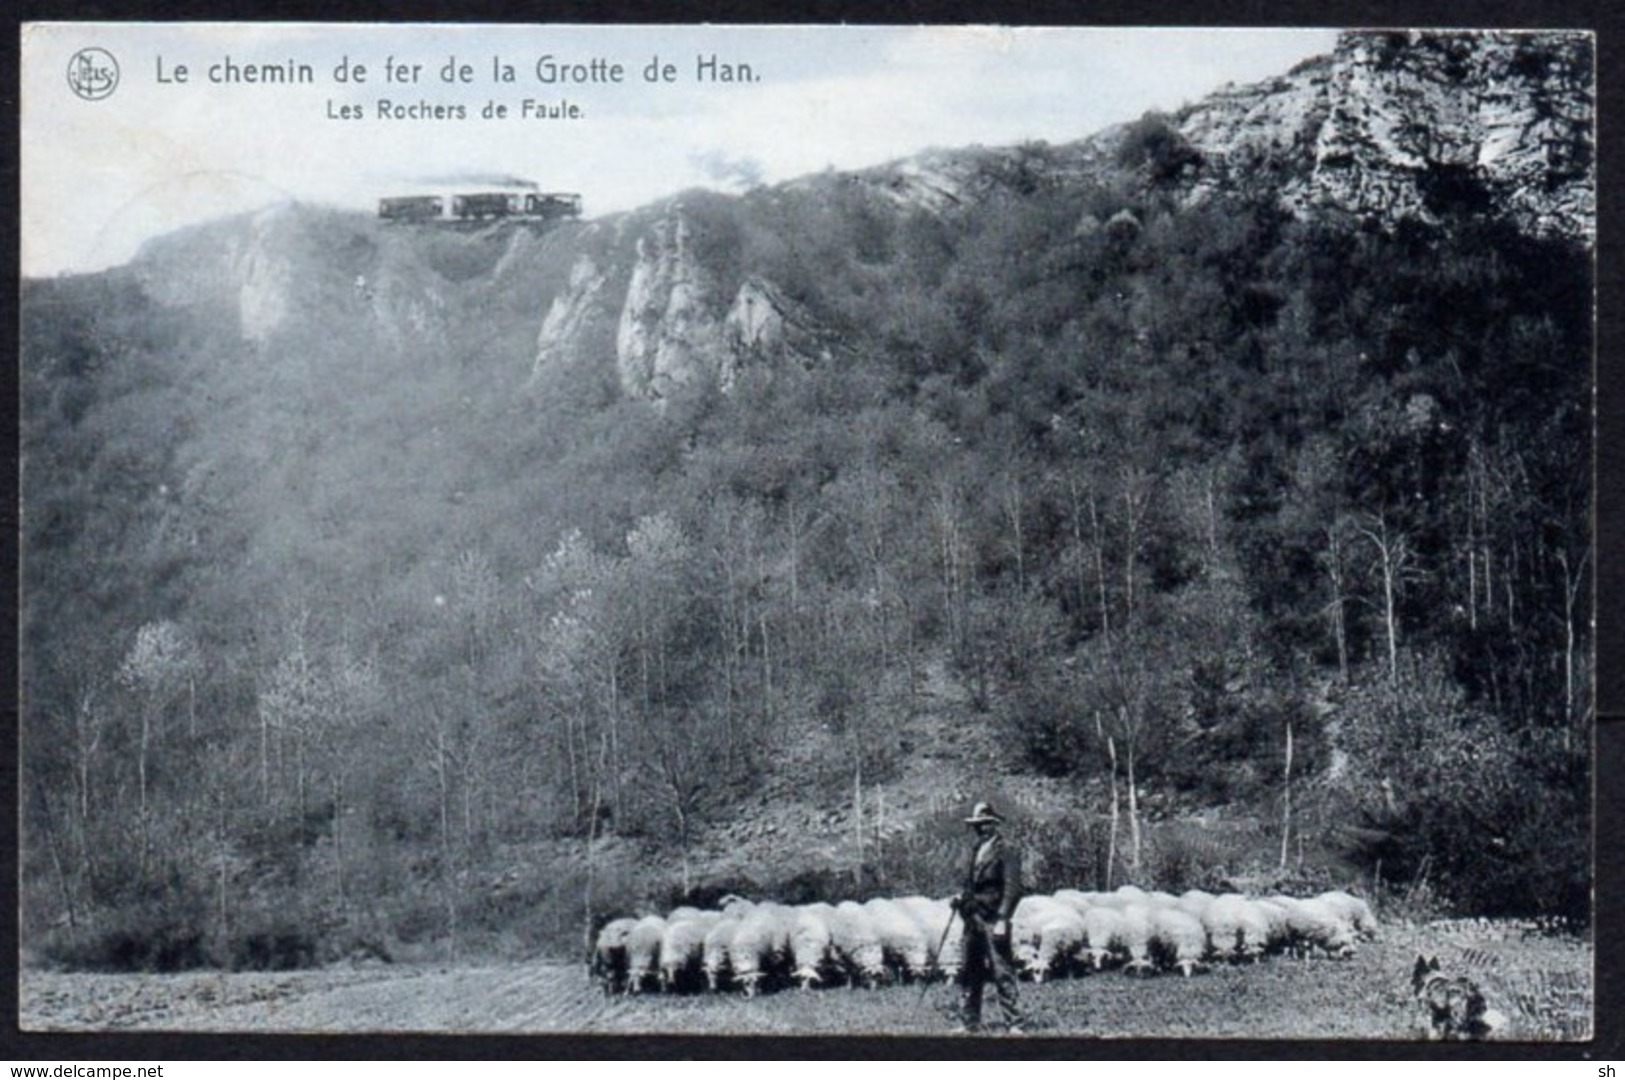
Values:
[(679, 914), (714, 953), (1026, 927), (908, 954), (682, 948), (735, 905), (1195, 901), (1032, 908), (1129, 894), (1314, 924), (811, 949), (936, 921), (1280, 930), (760, 949), (609, 954), (1136, 937), (643, 951), (1356, 911), (1103, 931), (1076, 899), (1061, 937), (1237, 928), (923, 909), (1178, 938), (857, 943)]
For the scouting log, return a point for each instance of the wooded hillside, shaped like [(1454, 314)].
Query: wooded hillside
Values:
[(1198, 500)]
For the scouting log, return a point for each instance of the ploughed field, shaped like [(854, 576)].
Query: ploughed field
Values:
[(1541, 982)]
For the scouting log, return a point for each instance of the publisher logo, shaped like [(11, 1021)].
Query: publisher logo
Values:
[(93, 73)]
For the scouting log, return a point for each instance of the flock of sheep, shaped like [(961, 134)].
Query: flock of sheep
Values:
[(755, 946)]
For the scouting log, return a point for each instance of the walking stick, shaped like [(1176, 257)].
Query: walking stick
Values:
[(924, 986)]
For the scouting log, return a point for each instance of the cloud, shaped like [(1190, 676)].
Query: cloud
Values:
[(740, 172), (483, 179)]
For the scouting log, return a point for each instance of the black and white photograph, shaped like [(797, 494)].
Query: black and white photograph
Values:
[(989, 533)]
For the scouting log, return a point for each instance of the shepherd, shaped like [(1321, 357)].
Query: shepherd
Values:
[(988, 900)]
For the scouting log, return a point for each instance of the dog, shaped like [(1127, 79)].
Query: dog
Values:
[(1456, 1007)]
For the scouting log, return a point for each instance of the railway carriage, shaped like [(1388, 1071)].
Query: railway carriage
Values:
[(480, 206)]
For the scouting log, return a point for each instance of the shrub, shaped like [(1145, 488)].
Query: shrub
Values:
[(710, 894), (1153, 144), (1180, 856), (827, 885), (1044, 721), (277, 944), (1496, 822), (154, 934), (927, 859), (1068, 852)]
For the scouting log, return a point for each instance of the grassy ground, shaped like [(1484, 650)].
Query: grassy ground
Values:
[(1542, 984)]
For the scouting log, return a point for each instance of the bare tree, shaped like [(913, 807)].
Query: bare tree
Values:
[(1333, 561), (293, 700), (476, 602), (685, 752), (356, 702), (159, 668), (577, 669), (1574, 577), (1396, 565), (1111, 753), (1286, 798), (222, 772), (443, 761), (1131, 675)]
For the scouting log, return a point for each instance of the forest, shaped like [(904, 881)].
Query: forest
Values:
[(1291, 516)]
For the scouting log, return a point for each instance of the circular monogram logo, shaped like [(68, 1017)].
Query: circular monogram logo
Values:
[(93, 73)]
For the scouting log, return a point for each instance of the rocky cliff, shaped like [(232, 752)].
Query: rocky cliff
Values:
[(667, 313), (670, 329), (1416, 125)]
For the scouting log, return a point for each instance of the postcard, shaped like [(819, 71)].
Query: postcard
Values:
[(753, 530)]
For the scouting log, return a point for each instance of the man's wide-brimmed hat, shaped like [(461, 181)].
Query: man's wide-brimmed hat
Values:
[(983, 814)]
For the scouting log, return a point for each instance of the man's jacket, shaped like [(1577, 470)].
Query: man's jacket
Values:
[(993, 883)]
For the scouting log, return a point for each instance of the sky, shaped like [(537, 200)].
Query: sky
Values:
[(195, 125)]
